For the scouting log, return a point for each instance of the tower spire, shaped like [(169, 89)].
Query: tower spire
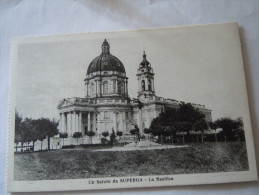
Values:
[(144, 62)]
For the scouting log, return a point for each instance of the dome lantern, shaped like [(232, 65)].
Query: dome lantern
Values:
[(105, 47)]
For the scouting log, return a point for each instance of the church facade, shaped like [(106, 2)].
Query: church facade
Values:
[(107, 105)]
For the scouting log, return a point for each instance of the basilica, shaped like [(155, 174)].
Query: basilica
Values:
[(107, 105)]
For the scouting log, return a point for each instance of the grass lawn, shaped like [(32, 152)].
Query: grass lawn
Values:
[(86, 163)]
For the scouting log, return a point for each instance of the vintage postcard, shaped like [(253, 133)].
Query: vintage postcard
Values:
[(139, 108)]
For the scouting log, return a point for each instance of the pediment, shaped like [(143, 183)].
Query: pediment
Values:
[(65, 103)]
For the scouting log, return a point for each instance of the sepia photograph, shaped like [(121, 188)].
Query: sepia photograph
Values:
[(139, 108)]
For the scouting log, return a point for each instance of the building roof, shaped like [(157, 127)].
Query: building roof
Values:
[(106, 61)]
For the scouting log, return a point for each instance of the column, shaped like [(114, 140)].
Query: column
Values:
[(153, 87), (60, 122), (71, 121), (121, 121), (116, 86), (87, 92), (89, 121), (140, 122), (96, 87), (125, 122), (94, 121), (147, 119), (126, 92), (77, 125), (65, 122), (124, 88), (98, 123), (80, 123), (74, 124), (100, 86), (115, 122)]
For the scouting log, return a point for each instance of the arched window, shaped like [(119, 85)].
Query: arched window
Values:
[(149, 85), (92, 89), (105, 87), (143, 85)]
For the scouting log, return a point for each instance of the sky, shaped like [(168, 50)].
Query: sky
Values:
[(201, 64)]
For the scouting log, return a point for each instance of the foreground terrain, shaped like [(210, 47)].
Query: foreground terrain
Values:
[(88, 163)]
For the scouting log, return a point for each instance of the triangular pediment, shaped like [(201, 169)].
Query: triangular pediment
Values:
[(64, 103)]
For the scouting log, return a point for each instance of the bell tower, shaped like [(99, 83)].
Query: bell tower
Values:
[(145, 75)]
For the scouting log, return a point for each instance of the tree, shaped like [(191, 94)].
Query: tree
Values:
[(63, 136), (41, 138), (18, 129), (157, 130), (213, 126), (183, 127), (181, 120), (170, 131), (105, 134), (112, 137), (119, 133), (147, 131), (31, 133), (46, 128), (200, 125), (155, 126), (90, 134), (239, 128), (227, 125), (28, 130), (188, 114), (77, 135), (196, 129), (133, 132), (25, 131)]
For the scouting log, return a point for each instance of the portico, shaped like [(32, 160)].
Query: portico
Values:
[(96, 121), (79, 121)]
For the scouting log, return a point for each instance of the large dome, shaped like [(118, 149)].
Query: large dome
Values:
[(106, 61)]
